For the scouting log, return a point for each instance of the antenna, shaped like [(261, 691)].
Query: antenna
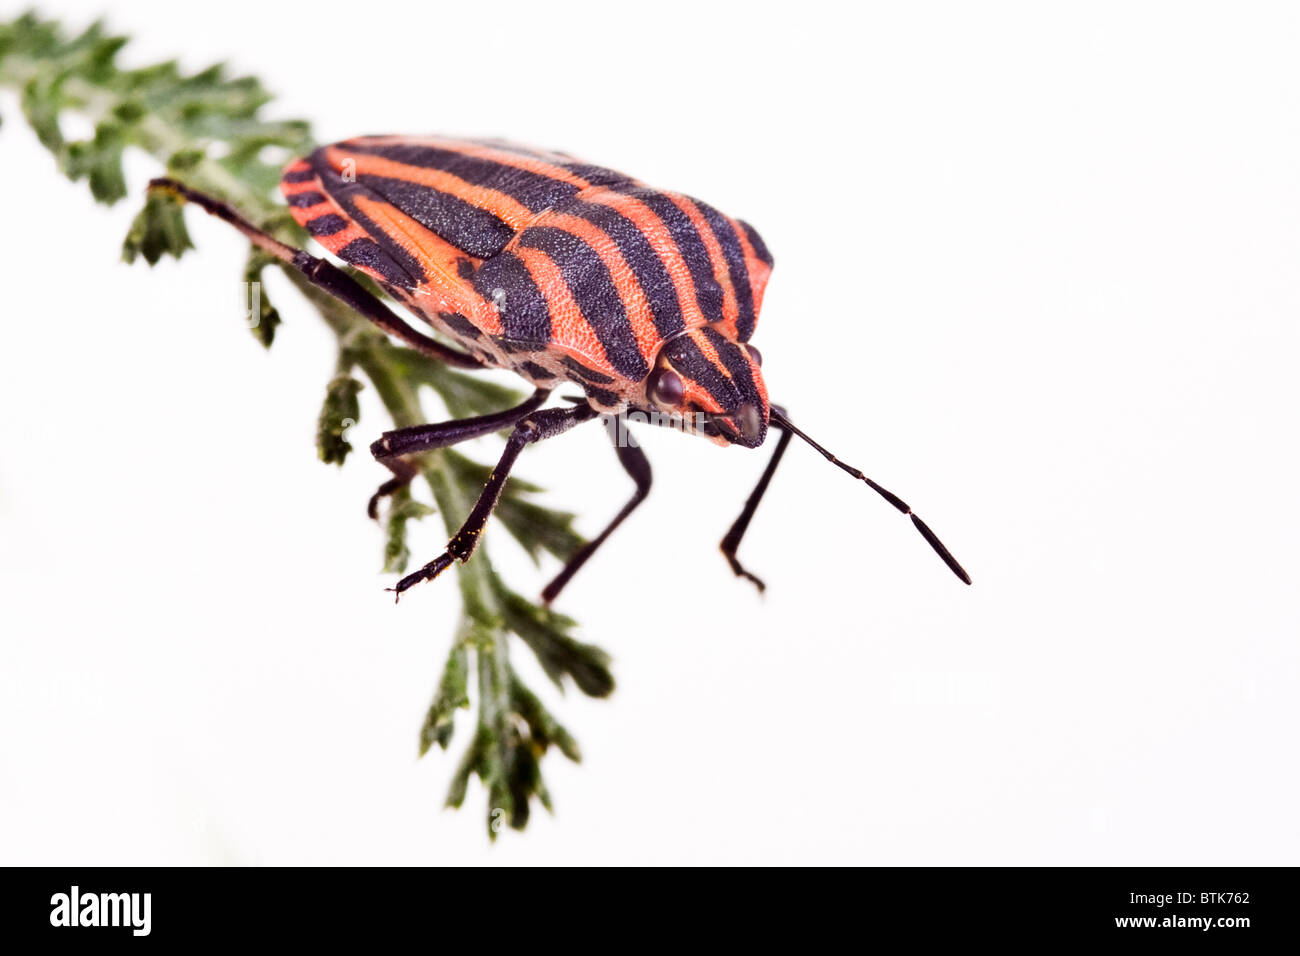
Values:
[(782, 422)]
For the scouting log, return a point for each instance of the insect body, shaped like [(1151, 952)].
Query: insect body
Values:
[(553, 268), (560, 271)]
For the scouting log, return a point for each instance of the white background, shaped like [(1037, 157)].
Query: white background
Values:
[(1036, 272)]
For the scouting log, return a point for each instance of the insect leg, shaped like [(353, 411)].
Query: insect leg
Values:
[(635, 463), (323, 274), (538, 427), (391, 448), (732, 540)]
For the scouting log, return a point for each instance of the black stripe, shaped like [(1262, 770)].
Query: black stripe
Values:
[(643, 260), (594, 175), (602, 396), (592, 287), (742, 380), (309, 198), (536, 371), (586, 374), (299, 176), (404, 270), (378, 251), (598, 175), (326, 225), (534, 190), (737, 363), (735, 257), (708, 293), (685, 356), (465, 226), (461, 325), (755, 240), (366, 252), (505, 281)]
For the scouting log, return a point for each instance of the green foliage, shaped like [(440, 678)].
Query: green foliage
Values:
[(549, 634), (268, 317), (402, 508), (339, 413), (453, 694), (506, 757), (157, 108), (207, 130), (158, 230)]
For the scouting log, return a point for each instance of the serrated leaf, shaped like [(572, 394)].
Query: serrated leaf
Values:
[(97, 64), (158, 230), (403, 509), (525, 781), (268, 317), (339, 412), (546, 632), (546, 730), (41, 102), (452, 695), (206, 129), (99, 161), (459, 786)]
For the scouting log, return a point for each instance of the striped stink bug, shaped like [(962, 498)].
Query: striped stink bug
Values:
[(560, 271)]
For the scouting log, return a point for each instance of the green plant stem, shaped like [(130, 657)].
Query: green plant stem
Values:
[(178, 119)]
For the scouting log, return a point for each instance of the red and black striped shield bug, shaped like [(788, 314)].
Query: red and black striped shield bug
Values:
[(562, 272)]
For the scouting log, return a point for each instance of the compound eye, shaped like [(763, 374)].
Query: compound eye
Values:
[(755, 355), (666, 388)]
